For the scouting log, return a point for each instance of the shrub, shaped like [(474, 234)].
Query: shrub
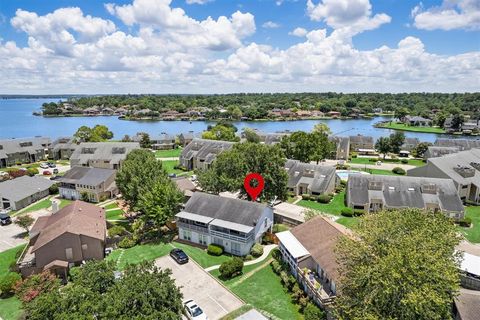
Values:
[(465, 222), (279, 228), (32, 171), (312, 312), (404, 161), (127, 242), (257, 250), (354, 156), (306, 197), (53, 189), (358, 212), (324, 198), (7, 283), (116, 231), (16, 173), (231, 268), (276, 266), (215, 249), (398, 170), (248, 257), (343, 183), (347, 212), (338, 189), (276, 254)]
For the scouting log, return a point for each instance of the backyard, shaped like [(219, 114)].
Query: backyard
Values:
[(473, 233), (412, 162), (10, 308), (171, 153)]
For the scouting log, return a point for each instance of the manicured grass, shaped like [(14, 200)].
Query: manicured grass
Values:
[(64, 203), (42, 204), (334, 207), (412, 162), (200, 255), (404, 127), (169, 166), (348, 222), (379, 172), (111, 206), (115, 214), (265, 292), (473, 233), (137, 254), (168, 153), (10, 308)]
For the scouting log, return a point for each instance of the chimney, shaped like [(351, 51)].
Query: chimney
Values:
[(54, 206)]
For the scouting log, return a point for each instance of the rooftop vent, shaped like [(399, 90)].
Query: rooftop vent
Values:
[(118, 150), (464, 171), (88, 150)]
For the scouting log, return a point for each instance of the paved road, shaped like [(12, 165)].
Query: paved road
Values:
[(195, 283)]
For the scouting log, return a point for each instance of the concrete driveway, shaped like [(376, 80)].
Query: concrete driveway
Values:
[(12, 235), (214, 299)]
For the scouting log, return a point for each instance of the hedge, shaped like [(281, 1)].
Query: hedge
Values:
[(398, 170), (127, 242), (231, 268), (465, 222), (347, 212), (215, 249), (324, 198), (257, 250), (278, 227)]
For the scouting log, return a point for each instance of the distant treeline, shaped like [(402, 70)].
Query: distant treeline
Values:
[(257, 105)]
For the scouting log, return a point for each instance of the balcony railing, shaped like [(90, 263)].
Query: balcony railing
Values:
[(228, 236), (192, 227), (316, 288)]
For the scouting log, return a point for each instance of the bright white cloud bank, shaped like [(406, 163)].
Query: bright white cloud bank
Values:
[(168, 51), (452, 14)]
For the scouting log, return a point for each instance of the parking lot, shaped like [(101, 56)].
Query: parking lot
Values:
[(215, 300), (12, 235)]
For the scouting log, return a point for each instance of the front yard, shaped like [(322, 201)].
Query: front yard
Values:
[(412, 162), (473, 233), (171, 153)]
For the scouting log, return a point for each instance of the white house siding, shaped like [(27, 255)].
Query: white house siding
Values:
[(70, 194)]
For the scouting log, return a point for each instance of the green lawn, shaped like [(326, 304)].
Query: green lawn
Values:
[(412, 162), (111, 206), (379, 171), (264, 291), (347, 222), (64, 203), (200, 255), (334, 207), (42, 204), (169, 166), (472, 233), (168, 153), (10, 308), (115, 214), (404, 127)]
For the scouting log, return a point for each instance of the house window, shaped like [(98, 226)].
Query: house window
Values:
[(236, 248), (465, 186), (202, 239), (84, 246), (187, 235), (218, 241), (69, 253)]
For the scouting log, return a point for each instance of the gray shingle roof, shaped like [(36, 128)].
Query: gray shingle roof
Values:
[(403, 192), (205, 149), (461, 144), (317, 177), (30, 145), (23, 187), (228, 209), (359, 139), (114, 152), (434, 151), (86, 175)]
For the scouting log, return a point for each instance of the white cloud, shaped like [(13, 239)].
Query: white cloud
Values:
[(198, 1), (174, 23), (270, 25), (168, 51), (452, 14), (353, 15), (298, 32)]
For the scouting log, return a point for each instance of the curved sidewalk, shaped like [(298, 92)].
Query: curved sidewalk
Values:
[(266, 251)]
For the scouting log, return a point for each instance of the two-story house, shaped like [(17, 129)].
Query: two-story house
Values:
[(309, 250), (21, 192), (234, 224), (23, 150), (64, 239), (108, 155), (200, 153), (95, 183), (362, 144), (62, 148), (313, 179), (462, 167), (372, 193)]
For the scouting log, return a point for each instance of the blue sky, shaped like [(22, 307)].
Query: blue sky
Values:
[(163, 46)]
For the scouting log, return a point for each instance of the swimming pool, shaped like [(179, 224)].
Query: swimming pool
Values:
[(343, 174)]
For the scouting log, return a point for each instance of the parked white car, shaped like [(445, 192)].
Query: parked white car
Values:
[(193, 311), (44, 166)]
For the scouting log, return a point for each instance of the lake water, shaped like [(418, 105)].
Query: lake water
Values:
[(16, 120)]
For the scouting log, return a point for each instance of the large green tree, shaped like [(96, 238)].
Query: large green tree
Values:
[(230, 168), (306, 147), (382, 145), (396, 141), (220, 132), (143, 292), (400, 264), (96, 134)]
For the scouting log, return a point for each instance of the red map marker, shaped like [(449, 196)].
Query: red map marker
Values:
[(254, 192)]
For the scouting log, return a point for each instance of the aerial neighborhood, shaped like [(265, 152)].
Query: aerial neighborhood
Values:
[(335, 212)]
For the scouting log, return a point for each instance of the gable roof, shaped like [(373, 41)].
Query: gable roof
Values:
[(468, 304), (23, 187), (30, 145), (320, 236), (403, 192), (205, 149), (114, 152), (237, 211), (361, 139), (461, 144), (78, 218), (317, 177), (87, 175)]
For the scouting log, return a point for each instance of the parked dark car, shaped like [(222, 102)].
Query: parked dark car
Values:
[(52, 165), (5, 219), (55, 171), (179, 256)]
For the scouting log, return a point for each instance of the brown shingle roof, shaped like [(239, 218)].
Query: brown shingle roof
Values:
[(79, 218), (468, 304), (320, 236)]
